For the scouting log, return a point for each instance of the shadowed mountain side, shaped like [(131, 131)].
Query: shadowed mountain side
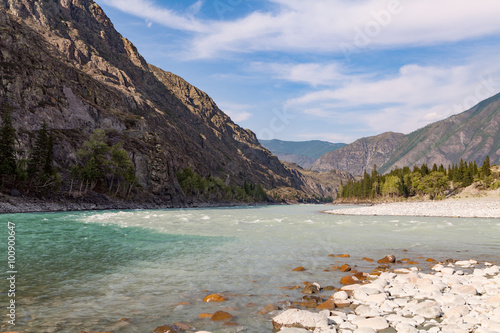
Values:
[(63, 63)]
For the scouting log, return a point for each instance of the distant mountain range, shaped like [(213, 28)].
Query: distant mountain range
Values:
[(471, 135), (303, 153)]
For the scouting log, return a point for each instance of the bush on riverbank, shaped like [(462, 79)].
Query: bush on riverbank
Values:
[(215, 189), (434, 183)]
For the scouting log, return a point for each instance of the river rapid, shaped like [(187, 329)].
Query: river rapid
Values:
[(131, 271)]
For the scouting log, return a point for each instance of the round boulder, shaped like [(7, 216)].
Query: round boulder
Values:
[(214, 298)]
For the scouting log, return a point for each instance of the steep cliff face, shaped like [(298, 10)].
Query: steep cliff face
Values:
[(62, 62), (360, 155), (471, 135)]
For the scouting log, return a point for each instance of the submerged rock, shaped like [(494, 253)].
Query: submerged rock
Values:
[(215, 298), (298, 269), (221, 316), (389, 259), (164, 329)]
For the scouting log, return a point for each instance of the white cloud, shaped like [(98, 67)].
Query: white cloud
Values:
[(148, 10), (327, 25), (237, 112), (311, 73), (404, 102)]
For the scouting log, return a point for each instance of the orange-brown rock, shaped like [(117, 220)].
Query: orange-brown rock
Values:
[(342, 256), (412, 262), (205, 315), (231, 324), (368, 259), (164, 329), (214, 298), (269, 308), (328, 305), (221, 316), (389, 259), (335, 268), (362, 276), (311, 288), (430, 260), (345, 268), (329, 288), (349, 279), (290, 287), (298, 269), (309, 303)]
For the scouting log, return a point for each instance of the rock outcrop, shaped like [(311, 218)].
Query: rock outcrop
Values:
[(361, 155)]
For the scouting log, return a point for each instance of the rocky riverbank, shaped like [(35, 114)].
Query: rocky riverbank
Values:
[(18, 204), (455, 298), (472, 208), (450, 297)]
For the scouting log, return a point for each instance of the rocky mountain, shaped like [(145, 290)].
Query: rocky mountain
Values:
[(471, 135), (63, 63), (360, 155), (303, 153), (323, 184)]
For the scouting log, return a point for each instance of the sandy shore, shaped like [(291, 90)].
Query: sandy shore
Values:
[(487, 207)]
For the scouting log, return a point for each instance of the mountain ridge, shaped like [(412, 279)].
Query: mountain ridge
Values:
[(470, 135), (64, 63), (303, 153)]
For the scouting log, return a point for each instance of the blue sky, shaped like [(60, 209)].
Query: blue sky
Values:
[(334, 70)]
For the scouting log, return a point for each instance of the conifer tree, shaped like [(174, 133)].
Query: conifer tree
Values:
[(7, 145), (486, 168), (37, 158)]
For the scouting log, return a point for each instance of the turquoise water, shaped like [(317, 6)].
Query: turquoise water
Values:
[(90, 270)]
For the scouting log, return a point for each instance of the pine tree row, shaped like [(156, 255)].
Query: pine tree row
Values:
[(434, 182)]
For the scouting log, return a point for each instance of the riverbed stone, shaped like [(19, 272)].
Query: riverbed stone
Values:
[(365, 330), (464, 289), (164, 329), (311, 288), (345, 268), (340, 296), (301, 319), (327, 305), (221, 316), (294, 330), (299, 269), (406, 328), (349, 279), (389, 259), (376, 323), (426, 309), (214, 298)]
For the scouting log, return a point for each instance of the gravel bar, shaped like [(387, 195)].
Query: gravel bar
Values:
[(445, 208)]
